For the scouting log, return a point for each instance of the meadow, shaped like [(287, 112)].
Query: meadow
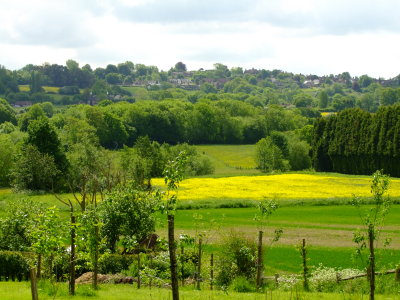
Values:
[(231, 159), (21, 291)]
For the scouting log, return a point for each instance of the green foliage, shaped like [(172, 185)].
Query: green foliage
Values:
[(88, 231), (36, 82), (373, 218), (13, 265), (115, 263), (242, 285), (128, 213), (299, 158), (7, 150), (7, 114), (35, 112), (17, 225), (48, 233), (43, 136), (356, 142), (33, 170), (238, 258), (269, 156), (109, 128)]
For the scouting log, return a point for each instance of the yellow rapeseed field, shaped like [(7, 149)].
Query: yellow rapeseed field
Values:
[(283, 186)]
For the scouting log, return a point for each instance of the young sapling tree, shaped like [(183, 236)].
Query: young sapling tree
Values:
[(372, 219)]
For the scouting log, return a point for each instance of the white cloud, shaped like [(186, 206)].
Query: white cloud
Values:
[(306, 36)]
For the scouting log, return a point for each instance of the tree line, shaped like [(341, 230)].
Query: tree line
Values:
[(357, 142), (75, 84)]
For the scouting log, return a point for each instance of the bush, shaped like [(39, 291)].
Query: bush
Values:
[(242, 285), (298, 155), (13, 265), (115, 263), (155, 270), (237, 259), (69, 90), (201, 165)]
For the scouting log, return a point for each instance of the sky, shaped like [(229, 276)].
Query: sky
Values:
[(319, 37)]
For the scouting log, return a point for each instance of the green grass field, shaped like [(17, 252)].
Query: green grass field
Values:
[(21, 291), (231, 159)]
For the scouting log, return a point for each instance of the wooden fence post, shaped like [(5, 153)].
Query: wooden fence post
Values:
[(34, 290), (72, 257), (199, 266), (212, 271), (305, 268), (276, 281), (259, 260)]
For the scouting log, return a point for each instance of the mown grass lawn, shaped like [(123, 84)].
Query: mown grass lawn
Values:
[(21, 291)]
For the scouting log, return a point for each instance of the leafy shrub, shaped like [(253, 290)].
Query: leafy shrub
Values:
[(201, 165), (242, 285), (237, 259), (13, 265), (69, 90), (155, 269), (115, 263)]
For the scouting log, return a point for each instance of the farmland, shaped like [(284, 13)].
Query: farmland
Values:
[(314, 206), (282, 187)]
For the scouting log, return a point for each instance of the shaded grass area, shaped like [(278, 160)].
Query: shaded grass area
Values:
[(21, 291)]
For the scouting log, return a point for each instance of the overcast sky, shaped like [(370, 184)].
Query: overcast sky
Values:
[(301, 36)]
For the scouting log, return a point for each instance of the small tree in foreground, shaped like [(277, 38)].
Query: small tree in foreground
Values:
[(266, 208), (173, 174), (372, 219)]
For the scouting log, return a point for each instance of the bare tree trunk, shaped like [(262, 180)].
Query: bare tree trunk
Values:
[(371, 266), (172, 257), (96, 257), (397, 272), (199, 266), (34, 290), (72, 256), (259, 260), (39, 267)]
